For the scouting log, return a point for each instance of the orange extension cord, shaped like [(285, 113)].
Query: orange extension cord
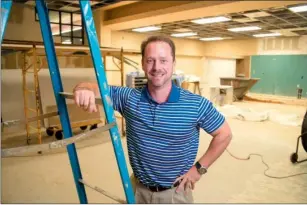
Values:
[(267, 166)]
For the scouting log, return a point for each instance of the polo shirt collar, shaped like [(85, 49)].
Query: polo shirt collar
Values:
[(173, 97)]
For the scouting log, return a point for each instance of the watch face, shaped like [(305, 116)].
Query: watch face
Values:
[(202, 170)]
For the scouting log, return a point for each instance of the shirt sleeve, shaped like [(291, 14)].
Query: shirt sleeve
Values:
[(209, 118), (119, 96)]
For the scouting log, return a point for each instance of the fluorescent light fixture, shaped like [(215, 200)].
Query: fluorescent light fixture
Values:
[(146, 29), (182, 30), (184, 34), (211, 20), (298, 8), (193, 37), (211, 39), (267, 35), (248, 28)]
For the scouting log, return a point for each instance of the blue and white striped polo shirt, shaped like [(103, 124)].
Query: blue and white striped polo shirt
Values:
[(163, 138)]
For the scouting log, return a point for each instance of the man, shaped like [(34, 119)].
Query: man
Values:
[(163, 122)]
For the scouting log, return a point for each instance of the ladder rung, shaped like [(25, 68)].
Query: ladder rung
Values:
[(30, 91), (34, 128), (31, 109), (115, 198), (42, 117), (71, 96)]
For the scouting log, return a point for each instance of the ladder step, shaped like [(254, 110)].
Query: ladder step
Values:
[(31, 109), (115, 198)]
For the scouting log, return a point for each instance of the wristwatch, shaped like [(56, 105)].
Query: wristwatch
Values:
[(201, 169)]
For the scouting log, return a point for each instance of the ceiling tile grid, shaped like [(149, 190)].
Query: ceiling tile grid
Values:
[(273, 21), (69, 5)]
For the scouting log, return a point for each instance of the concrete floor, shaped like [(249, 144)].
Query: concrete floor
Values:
[(48, 178)]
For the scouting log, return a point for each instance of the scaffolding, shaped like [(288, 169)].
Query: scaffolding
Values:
[(32, 53), (31, 65)]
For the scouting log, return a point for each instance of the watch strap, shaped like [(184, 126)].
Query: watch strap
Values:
[(198, 165)]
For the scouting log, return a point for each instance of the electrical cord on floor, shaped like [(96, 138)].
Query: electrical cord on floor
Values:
[(275, 177)]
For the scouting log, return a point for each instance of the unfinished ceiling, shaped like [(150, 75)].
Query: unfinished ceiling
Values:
[(270, 20), (69, 5)]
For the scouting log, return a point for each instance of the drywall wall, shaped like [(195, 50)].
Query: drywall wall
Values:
[(12, 100), (12, 95), (22, 25), (218, 68), (212, 70), (249, 47), (282, 46), (188, 52), (279, 74), (16, 60), (70, 78), (130, 40), (230, 48)]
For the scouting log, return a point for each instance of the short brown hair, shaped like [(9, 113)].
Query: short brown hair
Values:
[(156, 39)]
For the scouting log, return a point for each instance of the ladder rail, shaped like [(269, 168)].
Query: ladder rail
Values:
[(60, 101), (25, 97), (37, 99), (88, 20), (69, 141), (5, 13)]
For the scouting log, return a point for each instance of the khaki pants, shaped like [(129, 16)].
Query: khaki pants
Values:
[(170, 196)]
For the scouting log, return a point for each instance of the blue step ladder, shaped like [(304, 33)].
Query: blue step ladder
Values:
[(88, 20)]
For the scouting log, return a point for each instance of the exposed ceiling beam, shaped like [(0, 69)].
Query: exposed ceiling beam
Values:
[(189, 11), (116, 5)]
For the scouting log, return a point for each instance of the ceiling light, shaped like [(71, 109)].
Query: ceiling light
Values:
[(211, 39), (193, 37), (267, 35), (184, 34), (211, 20), (146, 29), (183, 30), (248, 28), (298, 8)]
